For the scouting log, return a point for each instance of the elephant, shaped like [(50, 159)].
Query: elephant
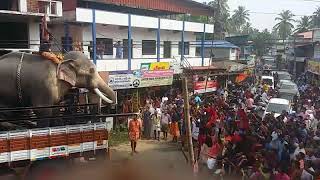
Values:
[(29, 80)]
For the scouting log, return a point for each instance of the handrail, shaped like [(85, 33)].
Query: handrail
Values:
[(43, 107)]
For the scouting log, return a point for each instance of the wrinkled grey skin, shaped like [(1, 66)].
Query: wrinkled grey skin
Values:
[(39, 81)]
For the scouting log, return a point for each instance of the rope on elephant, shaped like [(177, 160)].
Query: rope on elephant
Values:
[(19, 90)]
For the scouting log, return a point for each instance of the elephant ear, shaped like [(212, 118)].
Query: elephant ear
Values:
[(66, 72)]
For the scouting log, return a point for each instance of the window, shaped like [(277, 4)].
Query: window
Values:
[(198, 51), (186, 48), (66, 43), (105, 46), (233, 50), (149, 47)]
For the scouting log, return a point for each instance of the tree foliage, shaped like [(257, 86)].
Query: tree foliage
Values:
[(304, 24), (262, 41), (284, 26), (316, 18), (240, 18)]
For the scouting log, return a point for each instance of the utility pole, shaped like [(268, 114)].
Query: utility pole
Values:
[(295, 57), (187, 119)]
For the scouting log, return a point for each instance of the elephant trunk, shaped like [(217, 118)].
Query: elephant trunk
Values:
[(104, 91)]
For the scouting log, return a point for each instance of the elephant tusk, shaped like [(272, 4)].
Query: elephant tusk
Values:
[(102, 96)]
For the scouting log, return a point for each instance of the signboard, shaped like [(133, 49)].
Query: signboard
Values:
[(313, 66), (155, 66), (205, 86), (156, 78), (141, 79)]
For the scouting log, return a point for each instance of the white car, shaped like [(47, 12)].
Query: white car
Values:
[(283, 75), (277, 106)]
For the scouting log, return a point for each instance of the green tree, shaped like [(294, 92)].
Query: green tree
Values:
[(247, 29), (240, 18), (304, 24), (221, 16), (262, 41), (316, 18), (284, 26)]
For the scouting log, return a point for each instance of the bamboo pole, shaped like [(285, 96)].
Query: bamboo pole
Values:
[(187, 119)]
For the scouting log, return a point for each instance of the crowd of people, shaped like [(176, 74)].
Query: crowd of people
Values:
[(230, 137)]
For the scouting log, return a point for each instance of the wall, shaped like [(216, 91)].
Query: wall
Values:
[(316, 51), (32, 6), (233, 54), (138, 34), (34, 36), (121, 19)]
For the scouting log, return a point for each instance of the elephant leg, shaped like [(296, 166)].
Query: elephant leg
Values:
[(39, 101)]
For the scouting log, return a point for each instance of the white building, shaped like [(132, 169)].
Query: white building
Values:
[(19, 23), (112, 25)]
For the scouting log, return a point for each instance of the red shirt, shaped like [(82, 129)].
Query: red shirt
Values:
[(214, 150), (244, 121)]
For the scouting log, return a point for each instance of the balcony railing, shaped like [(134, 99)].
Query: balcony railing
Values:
[(52, 8), (37, 7)]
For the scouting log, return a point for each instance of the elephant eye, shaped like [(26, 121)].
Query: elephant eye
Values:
[(91, 70)]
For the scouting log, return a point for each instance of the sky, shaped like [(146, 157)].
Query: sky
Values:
[(262, 21)]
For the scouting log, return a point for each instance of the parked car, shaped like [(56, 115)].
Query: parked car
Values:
[(277, 106), (281, 82), (283, 75), (288, 94)]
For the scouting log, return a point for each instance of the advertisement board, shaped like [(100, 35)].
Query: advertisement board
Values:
[(205, 86), (155, 66), (313, 66), (141, 79)]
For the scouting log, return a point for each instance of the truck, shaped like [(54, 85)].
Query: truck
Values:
[(81, 132)]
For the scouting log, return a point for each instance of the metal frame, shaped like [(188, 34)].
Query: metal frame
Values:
[(94, 36), (182, 38), (202, 44), (158, 40), (129, 42)]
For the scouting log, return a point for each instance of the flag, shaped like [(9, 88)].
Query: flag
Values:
[(241, 77)]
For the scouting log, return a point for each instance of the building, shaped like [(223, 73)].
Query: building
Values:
[(242, 41), (108, 24), (220, 50), (303, 50), (20, 20)]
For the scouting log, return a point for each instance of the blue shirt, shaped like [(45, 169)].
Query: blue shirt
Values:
[(197, 99)]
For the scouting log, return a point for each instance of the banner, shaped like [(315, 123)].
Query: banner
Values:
[(313, 67), (155, 66), (141, 79), (205, 86)]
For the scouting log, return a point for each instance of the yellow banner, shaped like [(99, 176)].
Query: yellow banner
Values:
[(159, 66)]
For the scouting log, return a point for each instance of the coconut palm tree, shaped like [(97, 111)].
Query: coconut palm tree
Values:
[(221, 16), (316, 18), (246, 28), (304, 24), (284, 26), (240, 17)]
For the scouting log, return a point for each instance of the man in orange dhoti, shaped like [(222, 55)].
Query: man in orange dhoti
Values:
[(134, 133)]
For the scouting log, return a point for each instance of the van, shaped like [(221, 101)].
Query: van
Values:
[(277, 106), (269, 80)]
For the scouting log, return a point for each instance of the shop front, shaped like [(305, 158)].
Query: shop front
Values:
[(313, 68)]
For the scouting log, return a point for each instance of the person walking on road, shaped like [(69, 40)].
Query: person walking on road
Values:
[(156, 125), (165, 119), (134, 133)]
